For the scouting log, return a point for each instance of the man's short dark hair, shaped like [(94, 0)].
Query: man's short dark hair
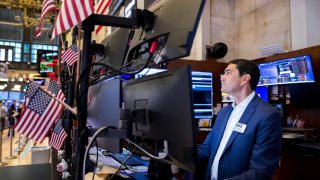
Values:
[(248, 67)]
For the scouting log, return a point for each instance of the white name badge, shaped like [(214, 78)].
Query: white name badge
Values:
[(239, 127)]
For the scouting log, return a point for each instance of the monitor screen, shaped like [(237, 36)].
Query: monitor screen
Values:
[(22, 94), (4, 95), (287, 71), (202, 94), (148, 71), (47, 61), (263, 93), (14, 95), (104, 102), (165, 99), (173, 31)]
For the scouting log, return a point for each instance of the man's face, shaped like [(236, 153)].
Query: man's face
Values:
[(230, 80)]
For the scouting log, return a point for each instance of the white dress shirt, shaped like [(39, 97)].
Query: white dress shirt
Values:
[(232, 121)]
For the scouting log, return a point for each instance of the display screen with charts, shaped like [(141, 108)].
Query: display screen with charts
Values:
[(287, 71)]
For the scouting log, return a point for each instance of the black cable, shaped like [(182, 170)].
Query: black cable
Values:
[(79, 96), (85, 89)]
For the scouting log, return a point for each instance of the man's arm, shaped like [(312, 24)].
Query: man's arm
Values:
[(205, 148)]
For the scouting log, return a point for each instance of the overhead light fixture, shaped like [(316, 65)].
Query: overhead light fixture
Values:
[(271, 50), (4, 79)]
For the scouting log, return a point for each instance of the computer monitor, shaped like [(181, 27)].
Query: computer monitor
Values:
[(201, 90), (47, 61), (174, 29), (4, 95), (305, 95), (263, 93), (287, 71), (14, 95), (116, 45), (202, 94), (161, 108), (104, 101)]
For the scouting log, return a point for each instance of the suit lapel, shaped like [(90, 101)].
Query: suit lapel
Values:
[(251, 108), (220, 130), (219, 127)]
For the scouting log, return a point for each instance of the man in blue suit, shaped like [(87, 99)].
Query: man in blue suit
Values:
[(245, 141)]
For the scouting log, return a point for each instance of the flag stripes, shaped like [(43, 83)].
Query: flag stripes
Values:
[(70, 56), (72, 12), (58, 136), (47, 6), (102, 8)]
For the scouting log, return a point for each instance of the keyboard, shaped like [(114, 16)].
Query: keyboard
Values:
[(132, 161)]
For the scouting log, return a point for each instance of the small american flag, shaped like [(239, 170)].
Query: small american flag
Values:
[(58, 136), (70, 56), (47, 6), (71, 13), (41, 113)]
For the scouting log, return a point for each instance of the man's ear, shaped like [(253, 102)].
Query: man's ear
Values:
[(245, 79)]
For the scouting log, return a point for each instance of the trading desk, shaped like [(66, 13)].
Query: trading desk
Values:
[(31, 172)]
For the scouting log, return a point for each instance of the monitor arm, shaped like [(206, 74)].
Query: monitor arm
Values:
[(124, 131), (88, 26)]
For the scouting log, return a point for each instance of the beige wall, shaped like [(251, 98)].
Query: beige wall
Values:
[(244, 26), (248, 25), (259, 24)]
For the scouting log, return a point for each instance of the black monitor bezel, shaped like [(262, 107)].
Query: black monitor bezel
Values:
[(155, 89)]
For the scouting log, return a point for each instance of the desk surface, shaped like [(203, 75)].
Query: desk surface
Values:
[(30, 172)]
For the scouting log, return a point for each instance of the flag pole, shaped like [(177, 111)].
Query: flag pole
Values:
[(79, 54), (73, 110)]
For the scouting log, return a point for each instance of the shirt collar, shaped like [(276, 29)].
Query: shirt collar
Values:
[(245, 102)]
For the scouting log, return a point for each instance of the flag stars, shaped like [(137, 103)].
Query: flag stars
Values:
[(40, 102)]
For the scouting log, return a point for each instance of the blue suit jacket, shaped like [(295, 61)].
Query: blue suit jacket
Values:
[(253, 154)]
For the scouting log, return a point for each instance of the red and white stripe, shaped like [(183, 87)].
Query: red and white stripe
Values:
[(70, 56), (47, 6), (57, 140), (37, 126), (102, 8), (72, 12)]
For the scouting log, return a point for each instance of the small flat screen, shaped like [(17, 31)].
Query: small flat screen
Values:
[(47, 60), (14, 95), (4, 95), (287, 71), (263, 93)]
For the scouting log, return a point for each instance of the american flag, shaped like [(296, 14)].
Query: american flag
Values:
[(102, 8), (71, 13), (58, 136), (70, 56), (47, 6), (41, 113)]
